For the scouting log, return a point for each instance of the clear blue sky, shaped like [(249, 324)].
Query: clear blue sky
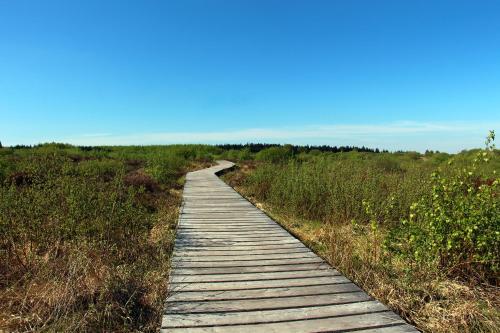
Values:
[(389, 74)]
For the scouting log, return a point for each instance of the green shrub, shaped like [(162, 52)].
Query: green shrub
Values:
[(275, 154), (231, 154), (245, 155), (165, 167), (457, 227)]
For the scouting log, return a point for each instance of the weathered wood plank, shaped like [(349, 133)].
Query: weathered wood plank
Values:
[(197, 296), (218, 243), (226, 233), (243, 263), (253, 276), (329, 324), (230, 252), (266, 304), (249, 257), (239, 285), (249, 317), (251, 269)]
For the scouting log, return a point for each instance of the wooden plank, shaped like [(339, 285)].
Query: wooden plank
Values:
[(328, 324), (197, 296), (233, 248), (222, 223), (251, 269), (248, 257), (230, 252), (239, 285), (253, 276), (225, 228), (226, 233), (266, 304), (240, 263), (218, 243), (249, 317), (240, 237)]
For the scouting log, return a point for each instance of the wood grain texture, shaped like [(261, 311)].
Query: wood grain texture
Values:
[(236, 270)]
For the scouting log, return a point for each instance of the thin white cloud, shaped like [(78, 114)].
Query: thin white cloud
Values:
[(98, 135), (406, 135)]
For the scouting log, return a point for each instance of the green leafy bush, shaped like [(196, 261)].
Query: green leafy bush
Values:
[(165, 167), (457, 227)]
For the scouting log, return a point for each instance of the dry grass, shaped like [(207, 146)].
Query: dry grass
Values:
[(78, 288)]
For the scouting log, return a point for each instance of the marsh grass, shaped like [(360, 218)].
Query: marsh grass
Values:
[(349, 208)]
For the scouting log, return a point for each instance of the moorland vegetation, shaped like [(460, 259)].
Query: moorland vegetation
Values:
[(86, 233)]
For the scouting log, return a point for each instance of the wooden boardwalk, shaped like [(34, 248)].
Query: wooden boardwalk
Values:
[(236, 270)]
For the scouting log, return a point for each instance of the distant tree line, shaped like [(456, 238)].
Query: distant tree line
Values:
[(94, 148), (253, 147), (21, 147), (256, 147), (61, 145)]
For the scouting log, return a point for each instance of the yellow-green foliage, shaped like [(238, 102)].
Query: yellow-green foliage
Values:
[(457, 226)]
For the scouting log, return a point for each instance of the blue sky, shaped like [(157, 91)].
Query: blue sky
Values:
[(390, 74)]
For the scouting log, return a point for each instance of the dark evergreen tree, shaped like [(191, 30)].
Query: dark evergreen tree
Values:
[(256, 147)]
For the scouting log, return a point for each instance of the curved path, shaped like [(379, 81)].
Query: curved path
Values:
[(236, 270)]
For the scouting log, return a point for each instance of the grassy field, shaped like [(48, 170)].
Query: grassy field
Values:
[(87, 232), (420, 232), (86, 235)]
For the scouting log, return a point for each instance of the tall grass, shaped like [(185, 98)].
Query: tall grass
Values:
[(328, 187)]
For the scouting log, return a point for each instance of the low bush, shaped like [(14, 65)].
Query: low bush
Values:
[(457, 227), (275, 154)]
